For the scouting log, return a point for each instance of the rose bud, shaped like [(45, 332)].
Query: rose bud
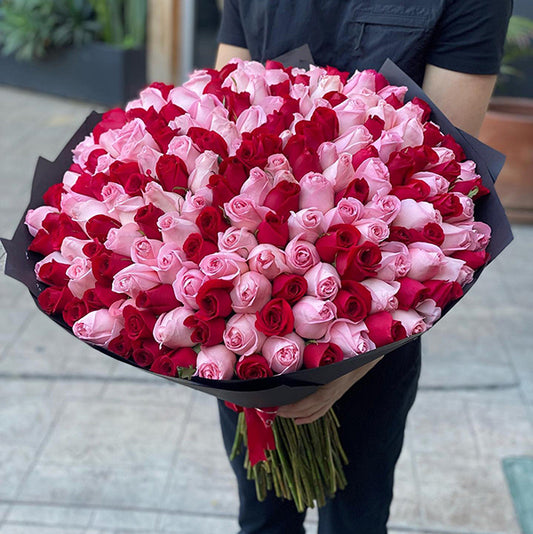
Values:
[(145, 351), (158, 300), (273, 230), (34, 218), (283, 198), (316, 192), (251, 292), (474, 260), (147, 217), (320, 354), (186, 286), (98, 327), (206, 332), (238, 240), (395, 261), (98, 227), (223, 265), (81, 277), (307, 224), (350, 337), (244, 212), (215, 363), (275, 318), (175, 229), (106, 265), (443, 292), (134, 279), (211, 222), (383, 294), (172, 173), (196, 248), (284, 354), (323, 281), (313, 316), (359, 262), (268, 260), (171, 331), (429, 311), (411, 321), (74, 310), (121, 345), (411, 293), (254, 366), (52, 270), (341, 237), (358, 188), (138, 323), (383, 329), (145, 251), (213, 299), (301, 256), (241, 336), (353, 301), (163, 365), (183, 358), (290, 287), (426, 261)]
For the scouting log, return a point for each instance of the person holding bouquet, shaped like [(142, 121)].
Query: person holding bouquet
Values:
[(453, 50)]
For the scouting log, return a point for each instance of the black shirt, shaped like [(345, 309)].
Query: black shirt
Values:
[(460, 35)]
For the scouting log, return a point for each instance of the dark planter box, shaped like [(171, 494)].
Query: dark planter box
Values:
[(95, 72)]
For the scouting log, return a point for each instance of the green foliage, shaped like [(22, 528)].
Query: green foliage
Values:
[(28, 28), (518, 44)]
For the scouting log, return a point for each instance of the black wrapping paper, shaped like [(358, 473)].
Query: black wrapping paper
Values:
[(280, 389)]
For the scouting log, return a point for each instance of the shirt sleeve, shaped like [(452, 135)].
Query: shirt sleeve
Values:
[(231, 31), (470, 36)]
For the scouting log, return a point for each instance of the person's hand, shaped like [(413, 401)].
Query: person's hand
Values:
[(317, 404)]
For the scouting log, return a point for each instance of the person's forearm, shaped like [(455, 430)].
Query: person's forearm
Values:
[(226, 52)]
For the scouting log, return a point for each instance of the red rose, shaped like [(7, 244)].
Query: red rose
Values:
[(253, 366), (302, 158), (353, 301), (161, 132), (234, 172), (42, 244), (93, 249), (111, 120), (394, 101), (402, 234), (275, 318), (172, 173), (443, 292), (474, 260), (424, 106), (374, 125), (208, 140), (75, 309), (472, 188), (163, 88), (145, 351), (290, 287), (449, 205), (107, 264), (283, 198), (196, 248), (52, 197), (90, 185), (383, 329), (359, 262), (207, 333), (119, 171), (163, 365), (146, 217), (211, 222), (449, 142), (98, 226), (449, 170), (334, 98), (214, 299), (234, 102), (341, 237), (183, 358), (135, 184), (363, 154), (416, 189), (432, 233), (404, 163), (273, 230), (101, 296), (53, 300), (311, 133), (55, 228), (138, 323), (327, 121), (53, 273), (411, 293), (255, 149), (320, 354), (358, 188), (121, 345), (222, 191), (158, 300), (432, 134), (170, 111)]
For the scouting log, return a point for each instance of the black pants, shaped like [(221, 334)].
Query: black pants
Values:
[(372, 415)]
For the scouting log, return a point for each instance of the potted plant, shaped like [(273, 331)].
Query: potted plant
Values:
[(86, 49), (508, 127)]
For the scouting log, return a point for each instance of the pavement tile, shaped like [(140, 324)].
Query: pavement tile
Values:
[(108, 433), (32, 529), (14, 464), (148, 389), (11, 324), (60, 516), (197, 524), (202, 438), (17, 388), (464, 495), (76, 389), (125, 519)]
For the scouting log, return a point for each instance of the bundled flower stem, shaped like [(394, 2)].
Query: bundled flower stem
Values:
[(306, 466)]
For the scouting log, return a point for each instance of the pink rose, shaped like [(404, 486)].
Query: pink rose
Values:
[(412, 321), (383, 294), (323, 281), (146, 251), (175, 229), (481, 233), (284, 354), (308, 223), (81, 277), (98, 327), (197, 82), (34, 218), (429, 311), (284, 176), (148, 160), (241, 336), (411, 132), (300, 256), (456, 238), (134, 279), (467, 216), (350, 113), (395, 261), (377, 176), (169, 262), (206, 164), (250, 293), (186, 286), (126, 143), (223, 265), (416, 215), (237, 240), (353, 140), (203, 110), (183, 147), (151, 97), (182, 97), (112, 193), (348, 211), (389, 142), (56, 257), (437, 183), (170, 331), (154, 194), (268, 260), (426, 261), (215, 363), (361, 82), (250, 119), (327, 154), (228, 131), (119, 240), (351, 337), (125, 209), (195, 203), (317, 192), (257, 186), (326, 84), (72, 247), (70, 201), (312, 317), (341, 172), (373, 230), (277, 162), (244, 212), (385, 208), (451, 270)]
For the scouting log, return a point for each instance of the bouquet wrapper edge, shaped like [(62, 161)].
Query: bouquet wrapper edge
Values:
[(280, 389)]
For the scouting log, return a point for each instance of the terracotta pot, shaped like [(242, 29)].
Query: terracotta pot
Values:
[(508, 127)]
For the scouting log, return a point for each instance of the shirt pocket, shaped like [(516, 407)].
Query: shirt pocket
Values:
[(402, 35)]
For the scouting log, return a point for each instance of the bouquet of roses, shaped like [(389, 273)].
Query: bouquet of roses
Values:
[(254, 222)]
